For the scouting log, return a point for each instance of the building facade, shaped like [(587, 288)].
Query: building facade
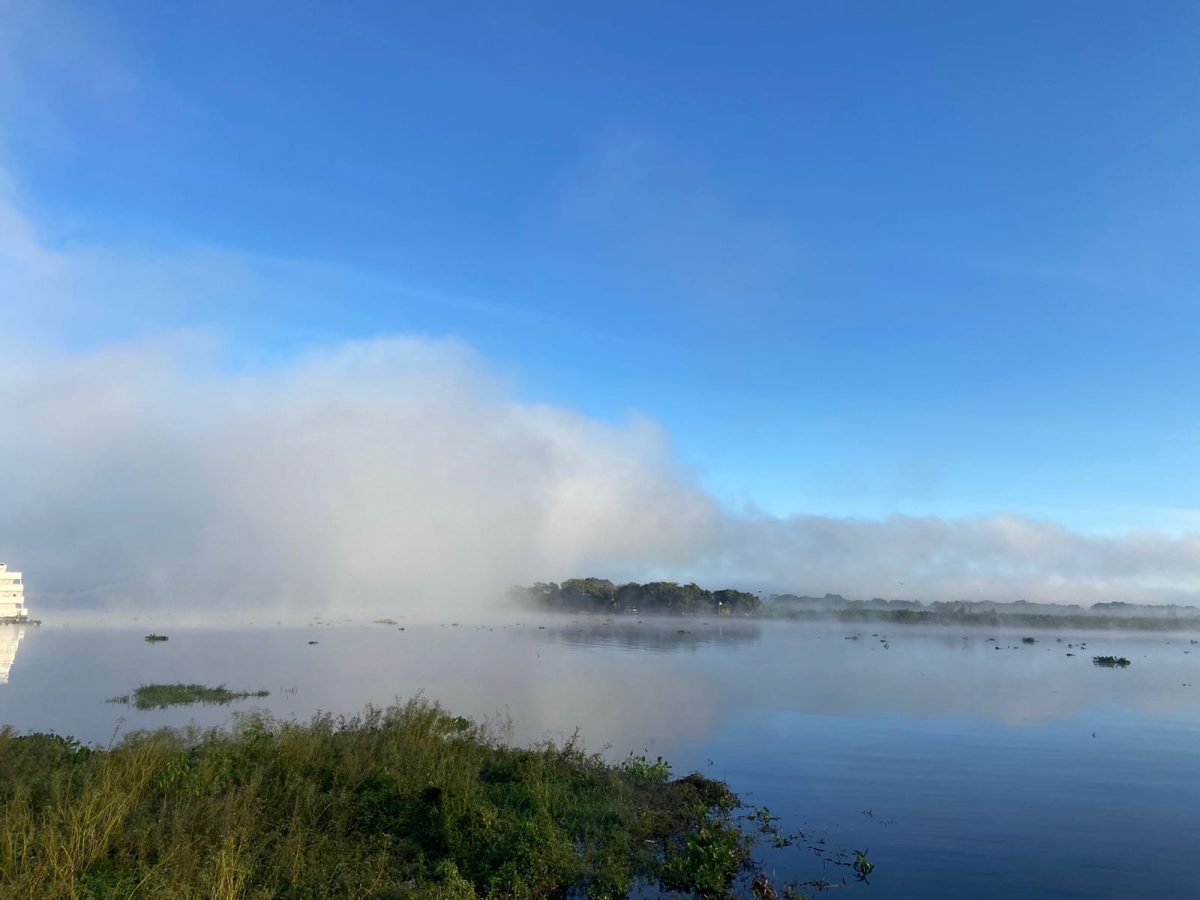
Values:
[(12, 594)]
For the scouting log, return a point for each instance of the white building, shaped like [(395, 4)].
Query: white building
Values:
[(12, 594)]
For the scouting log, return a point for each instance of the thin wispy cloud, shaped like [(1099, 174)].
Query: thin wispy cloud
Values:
[(60, 61), (646, 208)]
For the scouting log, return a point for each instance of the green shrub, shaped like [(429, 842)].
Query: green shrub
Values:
[(405, 802)]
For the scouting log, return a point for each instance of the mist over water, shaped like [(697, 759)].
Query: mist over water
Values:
[(388, 475), (403, 475), (323, 328), (945, 753)]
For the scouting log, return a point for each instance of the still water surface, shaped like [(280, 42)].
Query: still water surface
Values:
[(966, 770)]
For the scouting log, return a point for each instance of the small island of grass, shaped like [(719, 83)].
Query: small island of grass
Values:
[(408, 802), (160, 696)]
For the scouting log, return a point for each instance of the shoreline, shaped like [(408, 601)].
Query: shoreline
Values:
[(408, 801)]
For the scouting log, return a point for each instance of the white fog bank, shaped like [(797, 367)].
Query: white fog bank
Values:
[(402, 476)]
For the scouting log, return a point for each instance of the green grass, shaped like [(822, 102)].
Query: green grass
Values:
[(404, 802), (160, 696)]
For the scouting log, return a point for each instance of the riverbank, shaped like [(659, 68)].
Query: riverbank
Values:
[(404, 802)]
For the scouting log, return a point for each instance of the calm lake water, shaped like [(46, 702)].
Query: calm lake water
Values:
[(967, 767)]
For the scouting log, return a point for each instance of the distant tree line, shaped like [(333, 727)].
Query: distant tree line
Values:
[(599, 595), (1114, 614)]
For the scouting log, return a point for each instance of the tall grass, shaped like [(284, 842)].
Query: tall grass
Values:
[(404, 802)]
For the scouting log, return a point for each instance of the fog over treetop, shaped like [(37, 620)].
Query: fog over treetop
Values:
[(401, 473)]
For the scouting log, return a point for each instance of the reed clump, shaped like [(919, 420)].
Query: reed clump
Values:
[(408, 801)]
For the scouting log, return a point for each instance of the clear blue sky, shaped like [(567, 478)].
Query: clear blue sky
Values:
[(856, 257)]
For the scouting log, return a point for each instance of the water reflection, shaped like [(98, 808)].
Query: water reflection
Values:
[(624, 683), (10, 639), (981, 747), (654, 636)]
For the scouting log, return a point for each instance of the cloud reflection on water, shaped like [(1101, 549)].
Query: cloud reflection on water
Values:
[(627, 685)]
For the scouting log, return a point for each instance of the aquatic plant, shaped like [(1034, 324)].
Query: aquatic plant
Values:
[(153, 638), (160, 696), (1028, 640), (706, 862), (1110, 662), (863, 867), (761, 888), (767, 825)]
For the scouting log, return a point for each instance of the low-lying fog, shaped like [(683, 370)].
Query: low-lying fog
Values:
[(406, 475)]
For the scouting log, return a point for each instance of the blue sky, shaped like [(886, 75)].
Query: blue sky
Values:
[(857, 258)]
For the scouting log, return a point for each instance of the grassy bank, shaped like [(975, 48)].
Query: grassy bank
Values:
[(404, 802), (160, 696)]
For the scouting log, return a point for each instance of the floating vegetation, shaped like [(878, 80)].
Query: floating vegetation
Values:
[(153, 638), (1111, 662), (1028, 640), (761, 887), (863, 867), (386, 622), (160, 696)]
